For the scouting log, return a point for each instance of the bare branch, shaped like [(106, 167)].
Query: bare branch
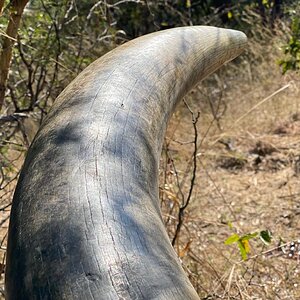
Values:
[(195, 118), (12, 118)]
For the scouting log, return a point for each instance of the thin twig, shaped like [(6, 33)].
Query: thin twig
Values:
[(260, 103), (3, 33), (181, 212), (254, 108)]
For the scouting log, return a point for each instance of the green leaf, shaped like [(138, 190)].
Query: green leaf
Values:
[(265, 236), (243, 251), (232, 239)]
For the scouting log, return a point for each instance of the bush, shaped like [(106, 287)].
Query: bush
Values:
[(292, 49)]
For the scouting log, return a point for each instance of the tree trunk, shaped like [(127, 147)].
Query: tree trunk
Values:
[(85, 220), (16, 11), (276, 11), (1, 6)]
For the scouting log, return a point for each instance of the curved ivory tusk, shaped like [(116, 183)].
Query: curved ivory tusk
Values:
[(85, 220)]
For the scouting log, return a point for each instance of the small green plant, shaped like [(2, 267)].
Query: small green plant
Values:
[(243, 241), (292, 49)]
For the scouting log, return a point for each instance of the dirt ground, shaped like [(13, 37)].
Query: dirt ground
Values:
[(248, 170), (252, 187)]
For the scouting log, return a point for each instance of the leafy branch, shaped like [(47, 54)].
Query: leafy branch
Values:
[(243, 241)]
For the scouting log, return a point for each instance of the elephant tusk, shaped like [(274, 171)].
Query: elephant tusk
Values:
[(85, 220)]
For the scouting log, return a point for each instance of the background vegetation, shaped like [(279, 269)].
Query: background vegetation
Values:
[(225, 187)]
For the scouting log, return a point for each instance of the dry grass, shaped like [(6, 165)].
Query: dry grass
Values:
[(248, 176)]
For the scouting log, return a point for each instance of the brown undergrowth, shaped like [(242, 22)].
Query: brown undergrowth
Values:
[(248, 172)]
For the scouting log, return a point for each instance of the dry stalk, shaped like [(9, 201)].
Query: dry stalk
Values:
[(195, 118)]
